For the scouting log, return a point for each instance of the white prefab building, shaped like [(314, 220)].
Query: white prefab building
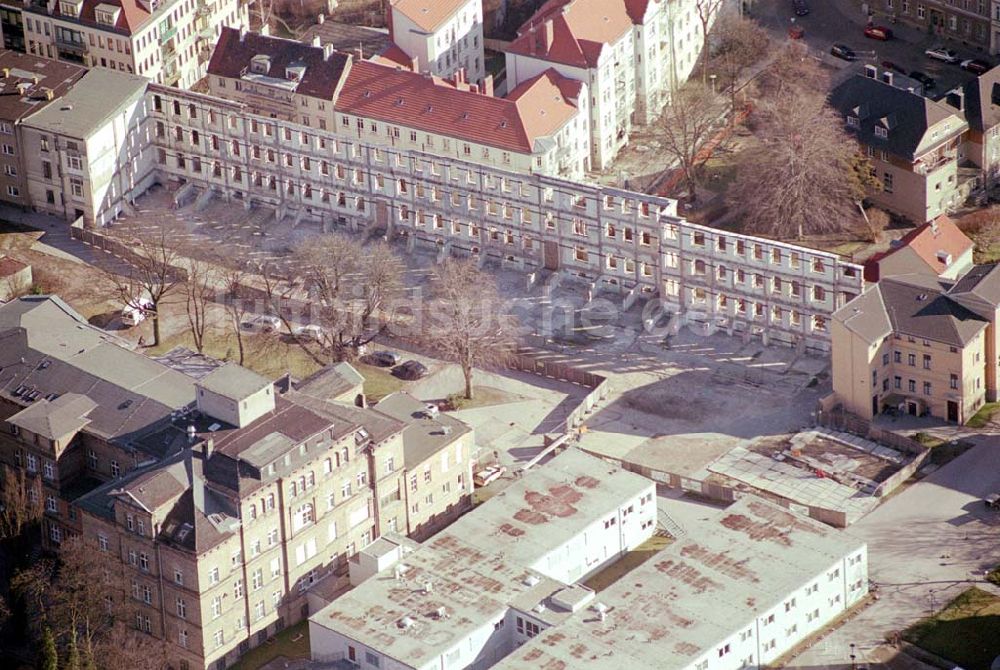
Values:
[(737, 591), (88, 155), (472, 594), (439, 37)]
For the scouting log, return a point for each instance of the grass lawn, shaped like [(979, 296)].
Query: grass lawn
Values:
[(281, 645), (983, 416), (265, 354), (482, 396), (627, 563), (942, 451), (965, 632), (379, 382), (994, 576)]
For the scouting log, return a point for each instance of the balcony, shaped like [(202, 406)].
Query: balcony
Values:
[(204, 9), (928, 164), (71, 46), (166, 35)]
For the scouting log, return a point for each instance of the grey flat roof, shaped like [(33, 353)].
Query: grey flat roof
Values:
[(423, 436), (695, 593), (89, 103), (233, 381), (548, 506)]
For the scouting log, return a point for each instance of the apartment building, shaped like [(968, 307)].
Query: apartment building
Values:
[(68, 413), (226, 501), (965, 21), (914, 145), (741, 588), (27, 84), (937, 248), (979, 101), (629, 54), (89, 156), (512, 563), (627, 243), (169, 42), (439, 37), (538, 128), (437, 463)]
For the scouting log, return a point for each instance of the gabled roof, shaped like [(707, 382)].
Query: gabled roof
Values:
[(578, 32), (235, 50), (437, 106), (57, 418), (982, 101), (427, 14), (980, 284), (131, 18), (928, 242), (917, 125)]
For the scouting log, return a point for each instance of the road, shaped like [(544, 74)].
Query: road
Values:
[(926, 545), (841, 21)]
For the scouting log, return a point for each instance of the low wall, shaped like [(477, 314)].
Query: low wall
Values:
[(116, 247)]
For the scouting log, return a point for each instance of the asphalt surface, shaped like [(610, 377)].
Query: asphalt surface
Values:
[(841, 21)]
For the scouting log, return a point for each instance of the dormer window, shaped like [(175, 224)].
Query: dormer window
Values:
[(106, 14), (853, 121), (881, 131), (260, 64), (70, 7), (295, 71)]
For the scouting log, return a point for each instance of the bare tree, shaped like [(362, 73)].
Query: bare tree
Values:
[(741, 44), (125, 648), (150, 274), (466, 319), (707, 11), (875, 222), (686, 126), (20, 502), (238, 303), (805, 177), (199, 291), (983, 228)]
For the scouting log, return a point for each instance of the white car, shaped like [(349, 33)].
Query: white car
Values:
[(264, 323), (940, 53), (489, 475), (309, 333), (134, 312)]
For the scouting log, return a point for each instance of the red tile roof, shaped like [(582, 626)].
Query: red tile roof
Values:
[(233, 53), (436, 106), (427, 14), (574, 32), (926, 241), (132, 17)]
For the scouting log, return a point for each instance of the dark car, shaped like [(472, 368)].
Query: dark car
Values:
[(843, 51), (927, 82), (889, 65), (878, 33), (800, 7), (383, 359), (410, 370), (976, 66)]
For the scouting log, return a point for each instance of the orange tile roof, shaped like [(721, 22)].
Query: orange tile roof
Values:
[(926, 241), (394, 57), (437, 106), (427, 14), (132, 17), (578, 31)]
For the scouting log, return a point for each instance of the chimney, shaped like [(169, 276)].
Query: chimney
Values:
[(265, 30), (327, 51), (887, 77), (474, 88), (871, 71), (207, 447), (243, 34), (415, 64), (6, 72), (548, 32), (532, 42), (195, 480), (956, 99), (488, 85), (320, 18), (317, 42)]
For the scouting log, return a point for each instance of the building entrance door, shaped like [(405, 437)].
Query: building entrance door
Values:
[(551, 252), (953, 411), (911, 408)]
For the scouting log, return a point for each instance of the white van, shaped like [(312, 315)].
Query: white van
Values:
[(135, 313)]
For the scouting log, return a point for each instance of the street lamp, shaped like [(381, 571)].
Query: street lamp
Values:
[(713, 77), (853, 658)]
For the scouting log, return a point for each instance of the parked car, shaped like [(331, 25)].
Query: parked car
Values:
[(796, 32), (488, 475), (940, 53), (383, 359), (263, 323), (928, 82), (889, 65), (800, 7), (309, 333), (410, 370), (431, 410), (992, 501), (975, 66), (843, 51), (135, 311), (878, 33)]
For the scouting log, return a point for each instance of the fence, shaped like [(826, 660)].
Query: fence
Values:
[(128, 254), (526, 361)]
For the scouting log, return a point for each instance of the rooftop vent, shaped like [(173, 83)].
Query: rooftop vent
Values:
[(921, 297), (441, 613), (405, 622), (428, 587), (531, 580), (539, 608)]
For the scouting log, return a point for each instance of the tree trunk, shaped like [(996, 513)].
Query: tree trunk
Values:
[(239, 342), (467, 371), (156, 326)]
